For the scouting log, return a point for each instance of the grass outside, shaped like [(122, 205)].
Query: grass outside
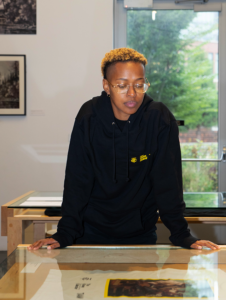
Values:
[(200, 176)]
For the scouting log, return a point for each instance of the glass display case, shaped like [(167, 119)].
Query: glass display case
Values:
[(100, 272)]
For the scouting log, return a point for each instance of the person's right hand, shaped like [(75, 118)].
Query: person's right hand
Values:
[(52, 244)]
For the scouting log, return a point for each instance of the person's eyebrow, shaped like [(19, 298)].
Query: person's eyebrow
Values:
[(140, 78), (127, 79)]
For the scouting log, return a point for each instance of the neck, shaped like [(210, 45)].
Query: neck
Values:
[(119, 114)]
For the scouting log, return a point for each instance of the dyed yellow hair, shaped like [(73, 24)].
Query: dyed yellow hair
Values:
[(121, 54)]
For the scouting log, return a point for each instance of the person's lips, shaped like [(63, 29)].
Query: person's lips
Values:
[(130, 103)]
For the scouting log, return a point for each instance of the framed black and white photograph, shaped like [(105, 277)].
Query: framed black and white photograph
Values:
[(12, 85), (17, 16)]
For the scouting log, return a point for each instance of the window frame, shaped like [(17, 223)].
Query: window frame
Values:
[(119, 40)]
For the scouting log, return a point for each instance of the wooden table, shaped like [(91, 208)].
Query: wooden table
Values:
[(14, 221), (154, 259)]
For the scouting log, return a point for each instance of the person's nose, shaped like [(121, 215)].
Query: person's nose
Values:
[(131, 90)]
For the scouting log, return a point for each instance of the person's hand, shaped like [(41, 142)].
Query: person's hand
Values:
[(52, 244), (202, 243)]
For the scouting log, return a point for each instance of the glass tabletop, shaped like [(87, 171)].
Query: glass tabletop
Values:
[(100, 272), (39, 200), (206, 200)]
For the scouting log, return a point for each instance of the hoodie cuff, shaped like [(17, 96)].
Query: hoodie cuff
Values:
[(188, 241), (60, 239)]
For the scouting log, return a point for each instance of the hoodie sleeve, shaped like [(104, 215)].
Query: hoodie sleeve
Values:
[(79, 179), (166, 176)]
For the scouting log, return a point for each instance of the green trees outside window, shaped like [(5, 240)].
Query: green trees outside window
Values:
[(182, 76)]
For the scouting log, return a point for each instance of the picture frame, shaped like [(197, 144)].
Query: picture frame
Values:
[(18, 17), (12, 85)]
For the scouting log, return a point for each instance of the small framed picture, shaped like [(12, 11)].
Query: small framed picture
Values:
[(18, 16), (12, 85)]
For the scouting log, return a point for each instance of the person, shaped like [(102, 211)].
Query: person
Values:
[(124, 166)]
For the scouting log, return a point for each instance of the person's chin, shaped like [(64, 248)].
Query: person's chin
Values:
[(131, 110)]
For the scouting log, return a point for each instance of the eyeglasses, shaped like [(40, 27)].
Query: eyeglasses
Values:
[(123, 88)]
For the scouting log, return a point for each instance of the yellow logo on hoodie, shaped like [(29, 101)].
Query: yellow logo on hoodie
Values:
[(133, 159), (143, 157)]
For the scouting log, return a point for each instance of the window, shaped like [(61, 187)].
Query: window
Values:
[(182, 49), (210, 57), (216, 63)]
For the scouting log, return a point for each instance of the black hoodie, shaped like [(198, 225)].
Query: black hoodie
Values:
[(117, 181)]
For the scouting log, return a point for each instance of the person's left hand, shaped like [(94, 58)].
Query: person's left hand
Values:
[(199, 244)]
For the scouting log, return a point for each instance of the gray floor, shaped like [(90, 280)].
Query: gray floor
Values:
[(3, 255)]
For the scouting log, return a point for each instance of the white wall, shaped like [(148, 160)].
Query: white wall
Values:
[(63, 71)]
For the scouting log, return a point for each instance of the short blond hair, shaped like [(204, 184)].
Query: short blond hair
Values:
[(122, 55)]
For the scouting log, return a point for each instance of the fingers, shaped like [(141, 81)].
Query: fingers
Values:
[(208, 244), (195, 246), (40, 243), (49, 241), (53, 246), (35, 245), (204, 243)]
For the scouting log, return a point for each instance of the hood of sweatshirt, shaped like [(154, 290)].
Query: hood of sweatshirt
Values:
[(103, 109)]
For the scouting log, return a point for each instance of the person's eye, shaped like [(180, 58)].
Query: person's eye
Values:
[(140, 85), (122, 86)]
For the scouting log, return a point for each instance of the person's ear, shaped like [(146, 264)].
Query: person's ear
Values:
[(106, 86)]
